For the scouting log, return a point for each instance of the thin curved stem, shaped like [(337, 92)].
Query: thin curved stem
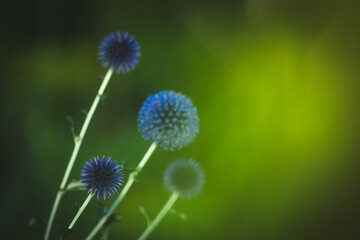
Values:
[(170, 203), (81, 209), (121, 196), (78, 141)]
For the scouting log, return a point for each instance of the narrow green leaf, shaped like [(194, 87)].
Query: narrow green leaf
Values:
[(70, 119), (74, 186), (84, 111), (145, 213), (102, 99), (36, 220), (181, 215)]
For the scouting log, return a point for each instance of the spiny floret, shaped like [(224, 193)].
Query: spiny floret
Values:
[(169, 119), (101, 177), (120, 51), (185, 177)]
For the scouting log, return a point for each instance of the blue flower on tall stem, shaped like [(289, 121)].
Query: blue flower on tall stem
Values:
[(101, 177), (169, 119), (185, 177), (120, 51)]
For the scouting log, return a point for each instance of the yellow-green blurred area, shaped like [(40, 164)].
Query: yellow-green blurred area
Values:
[(276, 85)]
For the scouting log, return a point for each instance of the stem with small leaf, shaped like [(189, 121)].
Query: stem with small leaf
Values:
[(78, 140), (121, 196), (170, 203)]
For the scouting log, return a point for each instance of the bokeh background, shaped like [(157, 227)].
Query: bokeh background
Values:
[(276, 84)]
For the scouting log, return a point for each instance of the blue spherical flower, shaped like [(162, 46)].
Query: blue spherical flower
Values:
[(101, 177), (169, 119), (185, 177), (120, 51)]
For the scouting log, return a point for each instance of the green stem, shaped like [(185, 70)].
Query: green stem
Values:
[(160, 216), (121, 196), (83, 206), (78, 141)]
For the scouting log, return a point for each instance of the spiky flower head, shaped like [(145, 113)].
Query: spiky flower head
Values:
[(169, 119), (120, 51), (185, 177), (101, 177)]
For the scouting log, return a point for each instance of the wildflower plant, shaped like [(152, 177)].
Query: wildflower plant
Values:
[(168, 120), (102, 178), (184, 179), (119, 53)]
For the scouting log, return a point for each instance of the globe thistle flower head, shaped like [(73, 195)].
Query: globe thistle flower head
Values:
[(101, 177), (169, 119), (120, 51), (185, 177)]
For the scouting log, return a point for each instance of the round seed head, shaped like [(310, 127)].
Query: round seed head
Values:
[(101, 177), (120, 51), (185, 177), (169, 119)]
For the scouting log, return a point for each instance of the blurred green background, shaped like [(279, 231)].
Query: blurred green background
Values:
[(276, 84)]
